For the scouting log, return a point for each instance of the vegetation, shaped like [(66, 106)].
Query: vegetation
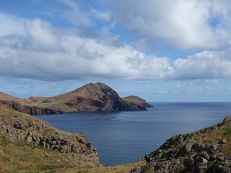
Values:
[(19, 157)]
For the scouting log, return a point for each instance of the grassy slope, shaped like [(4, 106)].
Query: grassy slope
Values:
[(19, 157), (218, 135)]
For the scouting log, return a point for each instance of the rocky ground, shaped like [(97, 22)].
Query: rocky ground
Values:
[(19, 128), (88, 98), (205, 151)]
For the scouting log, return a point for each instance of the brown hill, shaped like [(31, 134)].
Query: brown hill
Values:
[(88, 98)]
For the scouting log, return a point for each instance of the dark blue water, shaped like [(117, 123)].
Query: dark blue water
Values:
[(126, 136)]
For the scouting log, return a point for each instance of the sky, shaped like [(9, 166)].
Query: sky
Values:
[(163, 51)]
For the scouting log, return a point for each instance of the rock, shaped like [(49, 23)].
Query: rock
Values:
[(162, 166), (213, 157), (200, 163), (211, 148), (220, 157), (223, 141), (198, 147), (189, 163), (219, 168), (147, 158), (185, 149), (17, 125), (227, 119), (29, 138), (205, 155)]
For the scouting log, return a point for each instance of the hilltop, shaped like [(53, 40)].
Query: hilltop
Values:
[(91, 97)]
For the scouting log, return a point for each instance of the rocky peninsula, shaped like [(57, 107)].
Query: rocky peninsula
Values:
[(92, 97)]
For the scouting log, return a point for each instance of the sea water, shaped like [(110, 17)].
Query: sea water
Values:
[(126, 136)]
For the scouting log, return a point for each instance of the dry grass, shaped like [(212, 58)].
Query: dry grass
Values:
[(21, 158), (218, 135), (18, 157)]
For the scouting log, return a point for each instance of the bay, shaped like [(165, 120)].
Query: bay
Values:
[(125, 137)]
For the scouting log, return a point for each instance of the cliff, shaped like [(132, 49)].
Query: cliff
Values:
[(88, 98)]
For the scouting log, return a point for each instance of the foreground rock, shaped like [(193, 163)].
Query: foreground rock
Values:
[(89, 98), (205, 151), (23, 128)]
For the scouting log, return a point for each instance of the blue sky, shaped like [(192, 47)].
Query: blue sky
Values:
[(170, 50)]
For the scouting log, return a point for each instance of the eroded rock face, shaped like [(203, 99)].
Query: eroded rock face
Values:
[(20, 127), (89, 98), (29, 109), (205, 151)]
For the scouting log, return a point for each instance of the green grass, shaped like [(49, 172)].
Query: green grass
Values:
[(27, 158), (48, 132), (3, 141), (23, 158), (227, 131)]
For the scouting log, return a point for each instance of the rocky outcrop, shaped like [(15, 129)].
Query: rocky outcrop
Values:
[(136, 103), (21, 127), (29, 109), (205, 151), (89, 98)]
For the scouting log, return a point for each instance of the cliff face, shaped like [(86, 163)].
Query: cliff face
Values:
[(205, 151), (23, 128), (89, 98)]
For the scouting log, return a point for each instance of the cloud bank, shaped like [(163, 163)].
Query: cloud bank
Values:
[(201, 24), (33, 48)]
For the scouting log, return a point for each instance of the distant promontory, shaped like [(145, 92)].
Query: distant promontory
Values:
[(92, 97)]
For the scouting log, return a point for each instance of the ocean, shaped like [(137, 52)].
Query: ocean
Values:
[(125, 137)]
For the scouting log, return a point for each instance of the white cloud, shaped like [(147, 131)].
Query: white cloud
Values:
[(42, 52), (40, 34), (177, 23), (203, 65), (11, 24)]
